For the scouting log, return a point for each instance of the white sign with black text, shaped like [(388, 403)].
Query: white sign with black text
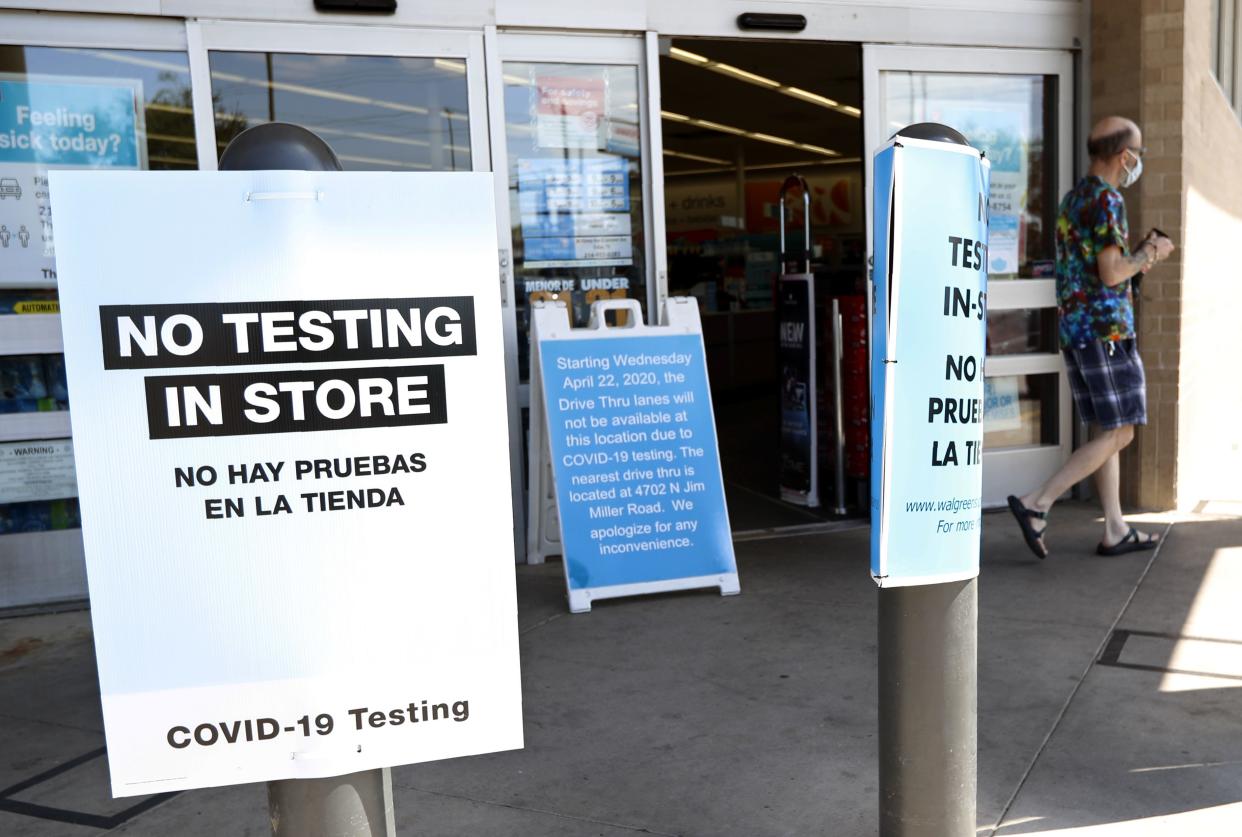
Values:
[(289, 422)]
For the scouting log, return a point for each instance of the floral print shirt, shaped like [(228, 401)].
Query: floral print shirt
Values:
[(1092, 217)]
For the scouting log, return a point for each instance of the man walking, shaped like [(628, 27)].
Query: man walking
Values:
[(1094, 266)]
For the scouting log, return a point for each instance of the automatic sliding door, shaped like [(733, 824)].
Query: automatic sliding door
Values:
[(1017, 107)]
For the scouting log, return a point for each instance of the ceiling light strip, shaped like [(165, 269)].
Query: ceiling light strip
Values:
[(698, 158), (741, 132), (800, 164), (694, 59), (319, 93)]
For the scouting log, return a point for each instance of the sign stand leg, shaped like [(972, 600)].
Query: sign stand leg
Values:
[(928, 642), (355, 805)]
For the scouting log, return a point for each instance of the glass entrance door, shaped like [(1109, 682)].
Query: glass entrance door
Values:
[(575, 159), (574, 162), (1017, 106)]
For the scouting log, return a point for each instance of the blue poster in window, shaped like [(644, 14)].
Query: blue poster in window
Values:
[(51, 122), (575, 211), (69, 123)]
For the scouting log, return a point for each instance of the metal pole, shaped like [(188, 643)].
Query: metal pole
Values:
[(928, 676), (838, 406), (928, 641), (356, 805)]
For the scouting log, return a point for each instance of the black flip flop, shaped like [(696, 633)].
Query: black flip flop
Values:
[(1132, 542), (1023, 515)]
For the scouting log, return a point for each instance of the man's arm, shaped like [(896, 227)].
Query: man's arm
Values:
[(1114, 268)]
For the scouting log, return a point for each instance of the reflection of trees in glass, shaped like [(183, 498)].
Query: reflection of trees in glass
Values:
[(170, 125), (228, 125), (1039, 244)]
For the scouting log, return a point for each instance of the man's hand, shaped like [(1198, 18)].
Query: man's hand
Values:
[(1115, 268), (1162, 243)]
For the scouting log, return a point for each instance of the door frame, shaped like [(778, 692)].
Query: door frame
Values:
[(640, 51), (1012, 470)]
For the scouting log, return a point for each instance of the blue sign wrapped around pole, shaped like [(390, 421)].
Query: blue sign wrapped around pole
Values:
[(927, 350)]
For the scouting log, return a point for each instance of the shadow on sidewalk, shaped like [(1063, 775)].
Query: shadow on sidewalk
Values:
[(1152, 742)]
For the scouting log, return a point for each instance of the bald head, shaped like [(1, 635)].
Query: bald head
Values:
[(1112, 135)]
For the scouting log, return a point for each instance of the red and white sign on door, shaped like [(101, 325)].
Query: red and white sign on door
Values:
[(569, 111)]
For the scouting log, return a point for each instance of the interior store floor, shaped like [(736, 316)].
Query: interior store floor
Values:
[(747, 428)]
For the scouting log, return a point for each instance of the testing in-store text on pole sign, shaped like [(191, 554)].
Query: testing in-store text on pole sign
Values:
[(930, 292)]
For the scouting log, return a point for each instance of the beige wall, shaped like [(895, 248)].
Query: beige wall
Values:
[(1210, 403), (1155, 67)]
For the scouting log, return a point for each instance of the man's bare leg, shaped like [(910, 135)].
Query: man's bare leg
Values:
[(1108, 484), (1084, 462)]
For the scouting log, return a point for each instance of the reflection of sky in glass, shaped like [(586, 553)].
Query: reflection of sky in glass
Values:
[(989, 110), (1004, 116), (378, 113), (165, 80)]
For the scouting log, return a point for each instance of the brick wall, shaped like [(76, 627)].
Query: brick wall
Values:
[(1151, 61), (1136, 56)]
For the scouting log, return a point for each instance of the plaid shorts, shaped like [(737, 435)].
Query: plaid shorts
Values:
[(1109, 386)]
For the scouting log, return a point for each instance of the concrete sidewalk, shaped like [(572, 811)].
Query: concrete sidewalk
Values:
[(1106, 705)]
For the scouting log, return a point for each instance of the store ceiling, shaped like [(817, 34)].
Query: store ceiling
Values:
[(809, 75)]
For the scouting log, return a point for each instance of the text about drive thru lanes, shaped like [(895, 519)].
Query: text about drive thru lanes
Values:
[(634, 440)]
